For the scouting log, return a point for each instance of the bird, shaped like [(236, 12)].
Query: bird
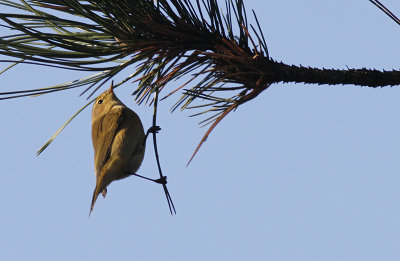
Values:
[(119, 143)]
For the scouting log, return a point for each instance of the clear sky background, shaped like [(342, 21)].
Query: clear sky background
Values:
[(303, 172)]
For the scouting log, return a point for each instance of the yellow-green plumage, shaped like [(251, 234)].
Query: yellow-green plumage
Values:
[(118, 141)]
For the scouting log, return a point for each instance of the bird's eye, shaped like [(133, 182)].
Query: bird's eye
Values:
[(100, 102)]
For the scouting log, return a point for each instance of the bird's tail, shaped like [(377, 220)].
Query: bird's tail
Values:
[(96, 193)]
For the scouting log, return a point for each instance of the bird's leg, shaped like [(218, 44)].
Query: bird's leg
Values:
[(152, 129), (162, 180)]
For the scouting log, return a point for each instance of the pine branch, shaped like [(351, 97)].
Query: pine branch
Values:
[(227, 57), (361, 77)]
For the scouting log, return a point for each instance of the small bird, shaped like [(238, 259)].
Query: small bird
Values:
[(119, 143)]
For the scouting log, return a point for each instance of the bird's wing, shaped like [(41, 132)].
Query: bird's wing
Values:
[(103, 133)]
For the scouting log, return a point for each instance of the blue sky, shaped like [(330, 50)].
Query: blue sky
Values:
[(303, 172)]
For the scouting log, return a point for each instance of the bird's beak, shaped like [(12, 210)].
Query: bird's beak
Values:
[(111, 90)]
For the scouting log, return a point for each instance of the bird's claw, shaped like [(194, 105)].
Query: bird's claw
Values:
[(154, 129), (162, 180)]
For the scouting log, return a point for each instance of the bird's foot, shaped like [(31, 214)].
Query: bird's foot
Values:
[(153, 129), (162, 180)]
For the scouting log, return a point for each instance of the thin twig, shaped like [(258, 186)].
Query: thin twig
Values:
[(167, 195)]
